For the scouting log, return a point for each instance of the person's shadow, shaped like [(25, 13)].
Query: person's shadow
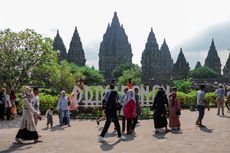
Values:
[(176, 131), (160, 135), (205, 129), (18, 147), (225, 116), (107, 147)]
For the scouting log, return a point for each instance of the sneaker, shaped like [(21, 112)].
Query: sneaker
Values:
[(122, 138), (101, 139)]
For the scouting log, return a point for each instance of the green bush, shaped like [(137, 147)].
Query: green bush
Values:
[(46, 101), (190, 98), (183, 85)]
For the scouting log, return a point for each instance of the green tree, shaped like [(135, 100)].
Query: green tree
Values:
[(92, 76), (133, 73), (203, 73), (20, 54), (117, 72), (183, 85), (65, 76)]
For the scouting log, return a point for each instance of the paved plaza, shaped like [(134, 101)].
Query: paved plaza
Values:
[(82, 137)]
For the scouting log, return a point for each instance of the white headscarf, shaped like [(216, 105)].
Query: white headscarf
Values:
[(129, 96)]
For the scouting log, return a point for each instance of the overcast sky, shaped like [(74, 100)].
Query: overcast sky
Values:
[(190, 24)]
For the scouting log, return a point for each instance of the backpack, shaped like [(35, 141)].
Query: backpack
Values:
[(105, 99)]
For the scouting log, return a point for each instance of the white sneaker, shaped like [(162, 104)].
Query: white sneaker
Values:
[(122, 138), (101, 139)]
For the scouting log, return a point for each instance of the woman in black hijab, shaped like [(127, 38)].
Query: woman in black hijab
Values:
[(159, 108)]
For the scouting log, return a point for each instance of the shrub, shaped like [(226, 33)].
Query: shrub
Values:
[(183, 85)]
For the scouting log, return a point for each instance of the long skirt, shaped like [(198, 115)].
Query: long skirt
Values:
[(27, 130), (160, 122), (173, 118), (25, 134)]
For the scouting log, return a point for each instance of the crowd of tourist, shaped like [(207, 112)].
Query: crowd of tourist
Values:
[(127, 106), (8, 108)]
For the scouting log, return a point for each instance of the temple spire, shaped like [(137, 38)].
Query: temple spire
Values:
[(151, 41), (115, 21), (181, 67), (212, 60), (115, 48), (198, 65), (76, 53), (59, 46), (226, 70)]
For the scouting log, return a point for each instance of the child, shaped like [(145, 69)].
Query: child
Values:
[(49, 116)]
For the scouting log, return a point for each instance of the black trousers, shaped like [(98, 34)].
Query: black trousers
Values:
[(8, 113), (129, 124), (123, 123), (201, 110), (134, 123), (2, 108), (107, 124)]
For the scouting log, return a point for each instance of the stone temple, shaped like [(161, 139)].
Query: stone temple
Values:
[(181, 67), (198, 65), (226, 70), (76, 53), (115, 48), (212, 60), (156, 63), (59, 46)]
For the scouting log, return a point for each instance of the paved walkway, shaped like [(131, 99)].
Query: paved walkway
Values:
[(82, 137)]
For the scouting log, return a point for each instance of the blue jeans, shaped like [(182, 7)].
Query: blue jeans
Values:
[(200, 109), (65, 113)]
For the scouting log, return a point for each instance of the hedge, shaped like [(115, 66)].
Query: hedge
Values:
[(47, 100)]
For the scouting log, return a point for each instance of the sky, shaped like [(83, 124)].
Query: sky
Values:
[(190, 24)]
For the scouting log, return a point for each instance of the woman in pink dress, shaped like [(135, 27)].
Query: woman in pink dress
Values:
[(174, 111)]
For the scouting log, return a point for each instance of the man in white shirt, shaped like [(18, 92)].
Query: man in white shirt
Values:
[(220, 99), (201, 104)]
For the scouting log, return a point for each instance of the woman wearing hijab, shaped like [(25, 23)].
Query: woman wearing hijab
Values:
[(111, 115), (130, 109), (159, 116), (28, 129), (63, 108), (174, 111)]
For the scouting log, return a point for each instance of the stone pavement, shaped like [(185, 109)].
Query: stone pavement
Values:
[(82, 137)]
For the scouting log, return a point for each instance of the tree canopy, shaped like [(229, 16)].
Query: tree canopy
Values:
[(21, 53), (203, 73), (133, 73), (65, 75), (117, 72)]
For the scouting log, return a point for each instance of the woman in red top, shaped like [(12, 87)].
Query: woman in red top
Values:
[(129, 83), (130, 109)]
